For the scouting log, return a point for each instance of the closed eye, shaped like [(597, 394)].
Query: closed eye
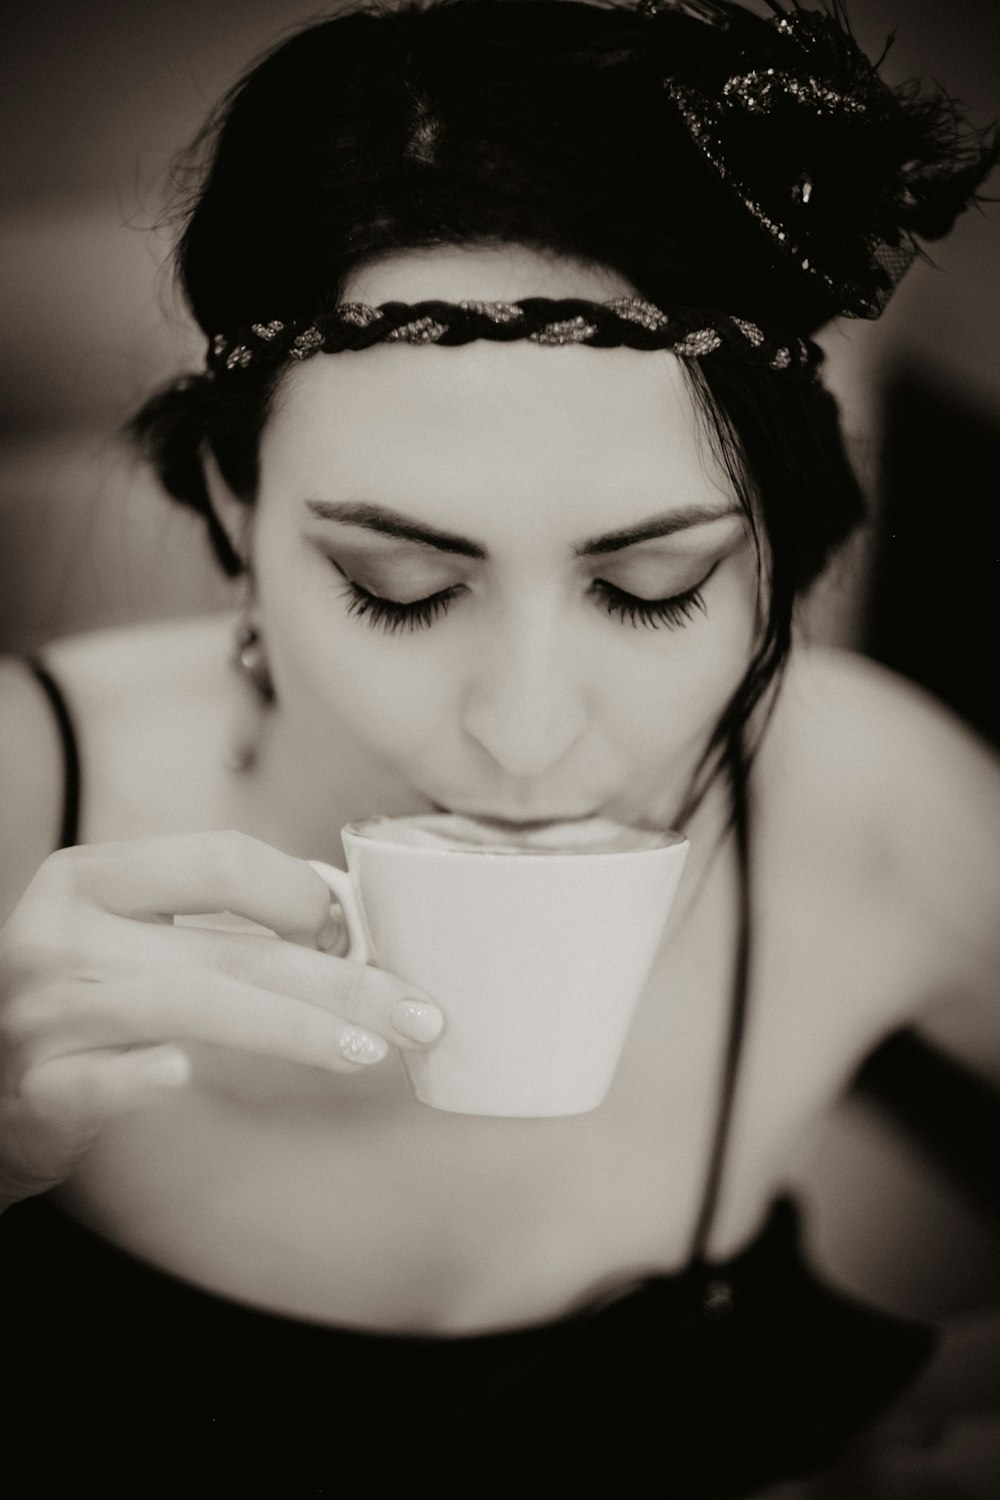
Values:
[(392, 616), (673, 612)]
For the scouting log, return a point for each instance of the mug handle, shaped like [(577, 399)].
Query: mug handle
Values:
[(342, 887)]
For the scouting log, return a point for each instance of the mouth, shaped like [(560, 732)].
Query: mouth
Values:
[(504, 821)]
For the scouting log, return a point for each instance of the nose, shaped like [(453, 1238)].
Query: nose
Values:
[(525, 705)]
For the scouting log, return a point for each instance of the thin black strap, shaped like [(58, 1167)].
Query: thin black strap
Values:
[(736, 766), (949, 1112), (70, 827)]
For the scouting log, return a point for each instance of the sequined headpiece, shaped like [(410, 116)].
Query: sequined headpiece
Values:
[(622, 322), (837, 168)]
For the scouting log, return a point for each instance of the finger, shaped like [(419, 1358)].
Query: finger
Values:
[(185, 874), (80, 1090), (360, 993), (178, 1005)]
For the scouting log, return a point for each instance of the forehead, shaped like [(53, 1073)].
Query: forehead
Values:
[(596, 435)]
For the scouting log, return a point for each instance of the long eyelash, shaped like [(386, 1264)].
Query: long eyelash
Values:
[(389, 616), (651, 613)]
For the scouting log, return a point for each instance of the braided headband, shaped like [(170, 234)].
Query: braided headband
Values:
[(622, 322)]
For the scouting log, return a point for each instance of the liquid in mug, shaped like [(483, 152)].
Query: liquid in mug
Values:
[(457, 833)]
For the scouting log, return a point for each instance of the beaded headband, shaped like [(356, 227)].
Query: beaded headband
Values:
[(622, 322)]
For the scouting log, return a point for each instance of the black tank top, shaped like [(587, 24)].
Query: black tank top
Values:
[(710, 1382)]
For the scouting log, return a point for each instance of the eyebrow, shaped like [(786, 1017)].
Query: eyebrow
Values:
[(387, 522)]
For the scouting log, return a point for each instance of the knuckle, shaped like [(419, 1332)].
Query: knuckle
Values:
[(40, 940), (62, 875), (50, 920)]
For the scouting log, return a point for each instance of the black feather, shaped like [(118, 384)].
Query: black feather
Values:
[(842, 171)]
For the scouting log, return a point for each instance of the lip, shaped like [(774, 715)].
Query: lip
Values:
[(504, 820)]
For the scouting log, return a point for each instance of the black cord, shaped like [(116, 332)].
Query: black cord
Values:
[(70, 822), (736, 768)]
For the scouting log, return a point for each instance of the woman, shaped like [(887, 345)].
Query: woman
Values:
[(530, 551)]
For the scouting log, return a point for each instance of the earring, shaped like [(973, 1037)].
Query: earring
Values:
[(249, 660)]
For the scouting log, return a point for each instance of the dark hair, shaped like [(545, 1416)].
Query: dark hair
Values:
[(542, 123)]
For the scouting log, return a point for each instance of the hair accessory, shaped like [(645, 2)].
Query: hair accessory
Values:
[(699, 10), (837, 168), (621, 322)]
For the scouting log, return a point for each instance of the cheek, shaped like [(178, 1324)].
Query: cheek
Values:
[(332, 670), (668, 688), (385, 696)]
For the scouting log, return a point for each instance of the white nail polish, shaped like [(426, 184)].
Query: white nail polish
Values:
[(417, 1020), (363, 1047)]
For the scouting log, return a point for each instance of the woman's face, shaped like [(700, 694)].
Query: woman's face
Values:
[(502, 579)]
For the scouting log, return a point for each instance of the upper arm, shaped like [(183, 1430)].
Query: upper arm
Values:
[(31, 781), (936, 798), (930, 799), (945, 811), (890, 1220), (913, 815)]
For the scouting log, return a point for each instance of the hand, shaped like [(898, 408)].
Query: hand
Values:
[(99, 989)]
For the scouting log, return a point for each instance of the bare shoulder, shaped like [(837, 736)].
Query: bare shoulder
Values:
[(876, 717), (916, 791), (105, 670), (891, 747), (911, 797), (119, 685)]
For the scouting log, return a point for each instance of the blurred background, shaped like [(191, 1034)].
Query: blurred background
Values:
[(99, 96)]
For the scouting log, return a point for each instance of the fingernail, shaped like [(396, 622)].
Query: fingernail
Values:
[(363, 1047), (417, 1020), (332, 933)]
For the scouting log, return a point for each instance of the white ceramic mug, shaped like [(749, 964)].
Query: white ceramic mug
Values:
[(537, 955)]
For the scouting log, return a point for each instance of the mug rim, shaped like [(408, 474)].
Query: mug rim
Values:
[(670, 838)]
